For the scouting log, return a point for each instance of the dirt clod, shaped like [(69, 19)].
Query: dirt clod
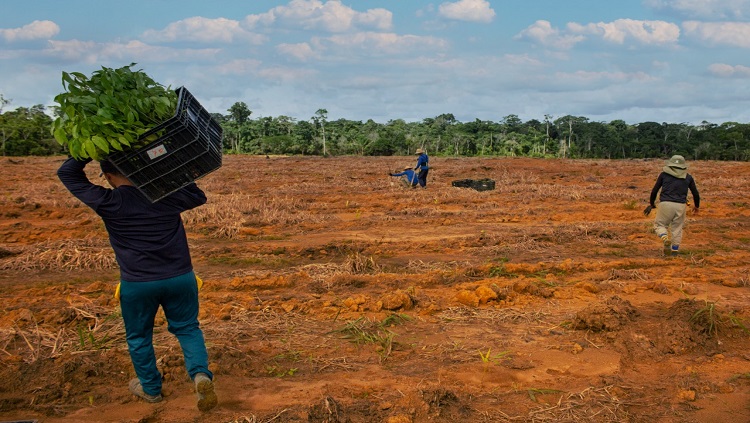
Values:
[(608, 316)]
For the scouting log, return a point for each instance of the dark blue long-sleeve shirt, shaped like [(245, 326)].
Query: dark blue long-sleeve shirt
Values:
[(149, 239), (422, 162), (674, 189)]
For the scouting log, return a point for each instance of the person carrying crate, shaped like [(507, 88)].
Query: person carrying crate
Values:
[(151, 249)]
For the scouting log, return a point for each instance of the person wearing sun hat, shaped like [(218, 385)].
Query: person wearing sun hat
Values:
[(674, 182), (422, 166), (408, 177)]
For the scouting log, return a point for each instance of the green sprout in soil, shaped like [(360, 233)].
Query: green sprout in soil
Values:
[(488, 357), (708, 318), (365, 331)]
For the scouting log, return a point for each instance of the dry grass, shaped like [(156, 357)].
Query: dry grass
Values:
[(512, 315), (291, 240), (74, 254), (419, 266), (603, 404), (358, 264), (97, 328), (225, 215), (626, 274)]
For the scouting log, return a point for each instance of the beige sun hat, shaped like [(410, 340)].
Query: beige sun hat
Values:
[(676, 167), (419, 151), (678, 162)]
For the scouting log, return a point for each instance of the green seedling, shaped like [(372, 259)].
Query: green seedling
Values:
[(365, 331), (488, 357), (109, 111), (737, 321), (87, 339), (499, 271), (279, 371), (708, 318)]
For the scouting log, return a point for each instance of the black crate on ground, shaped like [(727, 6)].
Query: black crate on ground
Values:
[(189, 147), (483, 184), (462, 183), (477, 184)]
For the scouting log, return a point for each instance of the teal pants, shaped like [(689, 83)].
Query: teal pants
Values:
[(178, 297)]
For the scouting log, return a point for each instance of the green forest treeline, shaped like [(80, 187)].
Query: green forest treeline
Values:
[(26, 131)]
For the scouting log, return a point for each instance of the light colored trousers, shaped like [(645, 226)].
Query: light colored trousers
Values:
[(669, 214)]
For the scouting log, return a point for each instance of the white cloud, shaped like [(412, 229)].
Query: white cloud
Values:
[(284, 74), (238, 67), (735, 34), (37, 30), (300, 51), (591, 77), (204, 30), (262, 19), (468, 10), (73, 50), (620, 30), (703, 9), (379, 42), (134, 51), (521, 59), (543, 33), (157, 54), (728, 71), (331, 16), (252, 67)]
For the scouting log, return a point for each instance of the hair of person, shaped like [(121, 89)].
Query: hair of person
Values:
[(108, 167)]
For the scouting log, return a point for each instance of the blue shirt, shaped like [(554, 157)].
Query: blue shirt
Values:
[(422, 162), (410, 176), (149, 239)]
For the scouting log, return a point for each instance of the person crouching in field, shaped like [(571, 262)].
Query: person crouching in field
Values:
[(408, 177), (152, 252), (674, 183)]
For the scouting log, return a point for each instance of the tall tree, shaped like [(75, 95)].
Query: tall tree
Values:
[(239, 115), (3, 130), (320, 120)]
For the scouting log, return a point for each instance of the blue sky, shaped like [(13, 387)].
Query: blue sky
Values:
[(637, 60)]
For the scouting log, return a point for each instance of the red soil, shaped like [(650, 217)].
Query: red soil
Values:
[(333, 294)]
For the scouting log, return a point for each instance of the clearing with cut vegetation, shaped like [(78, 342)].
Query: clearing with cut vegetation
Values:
[(334, 295)]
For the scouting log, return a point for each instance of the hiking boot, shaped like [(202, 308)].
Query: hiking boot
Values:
[(665, 243), (675, 250), (204, 387), (137, 390)]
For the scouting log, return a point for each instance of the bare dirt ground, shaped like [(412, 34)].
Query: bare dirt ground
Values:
[(333, 294)]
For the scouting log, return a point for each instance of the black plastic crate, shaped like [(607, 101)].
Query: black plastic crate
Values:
[(189, 147), (483, 184), (477, 184)]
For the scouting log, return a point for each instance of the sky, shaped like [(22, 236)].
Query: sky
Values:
[(674, 61)]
